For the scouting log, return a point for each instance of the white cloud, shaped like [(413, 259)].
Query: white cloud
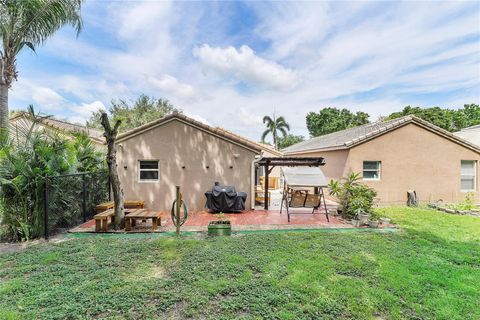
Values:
[(85, 110), (46, 97), (296, 56), (245, 65), (171, 86), (29, 92)]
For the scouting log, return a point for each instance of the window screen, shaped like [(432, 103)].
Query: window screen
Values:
[(371, 170), (148, 170), (468, 175)]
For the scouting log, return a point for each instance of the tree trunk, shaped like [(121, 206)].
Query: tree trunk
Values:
[(275, 140), (3, 106), (110, 136)]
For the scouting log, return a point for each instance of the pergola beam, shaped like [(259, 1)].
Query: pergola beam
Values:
[(271, 162)]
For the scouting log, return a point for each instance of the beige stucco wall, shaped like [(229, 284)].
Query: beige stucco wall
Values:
[(414, 158), (178, 144), (335, 162)]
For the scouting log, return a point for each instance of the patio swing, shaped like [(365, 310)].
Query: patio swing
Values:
[(298, 183)]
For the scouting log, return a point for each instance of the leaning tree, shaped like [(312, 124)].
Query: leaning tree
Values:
[(29, 23), (110, 135)]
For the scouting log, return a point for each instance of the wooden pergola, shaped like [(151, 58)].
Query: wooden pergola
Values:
[(271, 162)]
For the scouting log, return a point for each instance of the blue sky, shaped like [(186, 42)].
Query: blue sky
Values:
[(230, 63)]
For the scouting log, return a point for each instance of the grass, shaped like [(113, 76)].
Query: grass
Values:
[(430, 269)]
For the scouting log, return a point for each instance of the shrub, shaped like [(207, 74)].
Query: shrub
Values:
[(26, 157), (468, 203), (354, 196)]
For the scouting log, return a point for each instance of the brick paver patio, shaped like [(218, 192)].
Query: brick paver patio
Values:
[(258, 219)]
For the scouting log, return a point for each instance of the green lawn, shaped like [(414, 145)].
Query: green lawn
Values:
[(430, 269)]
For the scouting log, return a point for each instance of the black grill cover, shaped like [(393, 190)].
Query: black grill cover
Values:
[(225, 199)]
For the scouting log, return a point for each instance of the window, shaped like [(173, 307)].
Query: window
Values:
[(371, 170), (148, 170), (468, 175)]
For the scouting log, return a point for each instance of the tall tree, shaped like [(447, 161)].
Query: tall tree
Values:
[(29, 23), (110, 137), (273, 126), (330, 120), (134, 113), (289, 140), (449, 119)]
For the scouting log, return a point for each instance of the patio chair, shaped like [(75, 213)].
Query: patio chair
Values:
[(260, 196)]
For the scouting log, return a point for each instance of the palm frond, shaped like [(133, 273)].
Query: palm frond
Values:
[(281, 122), (265, 134), (267, 119), (37, 20)]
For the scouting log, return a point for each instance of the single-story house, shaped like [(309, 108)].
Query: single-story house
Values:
[(177, 150), (23, 119), (394, 156)]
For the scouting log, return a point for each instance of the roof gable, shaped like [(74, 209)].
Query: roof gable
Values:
[(218, 132), (52, 123), (351, 137)]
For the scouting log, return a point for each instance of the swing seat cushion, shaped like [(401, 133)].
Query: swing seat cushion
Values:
[(312, 201), (298, 199)]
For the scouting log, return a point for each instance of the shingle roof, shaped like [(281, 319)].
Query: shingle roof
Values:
[(350, 137), (94, 134), (223, 133), (471, 134)]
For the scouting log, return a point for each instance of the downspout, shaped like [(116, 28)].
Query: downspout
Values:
[(258, 157)]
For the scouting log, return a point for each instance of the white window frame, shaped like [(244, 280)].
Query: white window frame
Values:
[(379, 170), (474, 176), (140, 170)]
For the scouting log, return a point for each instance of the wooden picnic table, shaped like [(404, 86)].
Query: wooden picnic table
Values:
[(133, 215), (127, 204), (101, 220)]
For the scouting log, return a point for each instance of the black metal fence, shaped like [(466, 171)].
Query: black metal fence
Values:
[(70, 200)]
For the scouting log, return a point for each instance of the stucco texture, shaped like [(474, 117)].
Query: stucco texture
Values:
[(177, 144), (412, 158)]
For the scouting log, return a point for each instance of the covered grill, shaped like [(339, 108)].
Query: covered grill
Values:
[(225, 199)]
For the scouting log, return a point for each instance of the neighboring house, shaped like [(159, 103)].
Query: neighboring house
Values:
[(399, 155), (24, 120), (471, 134), (177, 150)]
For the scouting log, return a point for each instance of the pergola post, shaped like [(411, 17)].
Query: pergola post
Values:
[(270, 162), (266, 199)]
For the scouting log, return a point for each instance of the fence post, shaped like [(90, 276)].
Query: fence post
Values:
[(178, 197), (84, 196), (45, 207)]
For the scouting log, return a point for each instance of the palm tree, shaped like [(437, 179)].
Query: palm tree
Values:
[(29, 23), (273, 126)]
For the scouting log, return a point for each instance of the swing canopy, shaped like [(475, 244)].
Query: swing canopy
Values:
[(304, 177)]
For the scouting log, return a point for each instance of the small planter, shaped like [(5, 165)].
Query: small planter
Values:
[(373, 223), (363, 218), (384, 221), (356, 223), (219, 228)]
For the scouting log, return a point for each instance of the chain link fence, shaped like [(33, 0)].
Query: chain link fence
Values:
[(70, 200)]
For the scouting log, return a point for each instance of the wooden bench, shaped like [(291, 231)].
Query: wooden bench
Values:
[(101, 220), (143, 214), (127, 204)]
